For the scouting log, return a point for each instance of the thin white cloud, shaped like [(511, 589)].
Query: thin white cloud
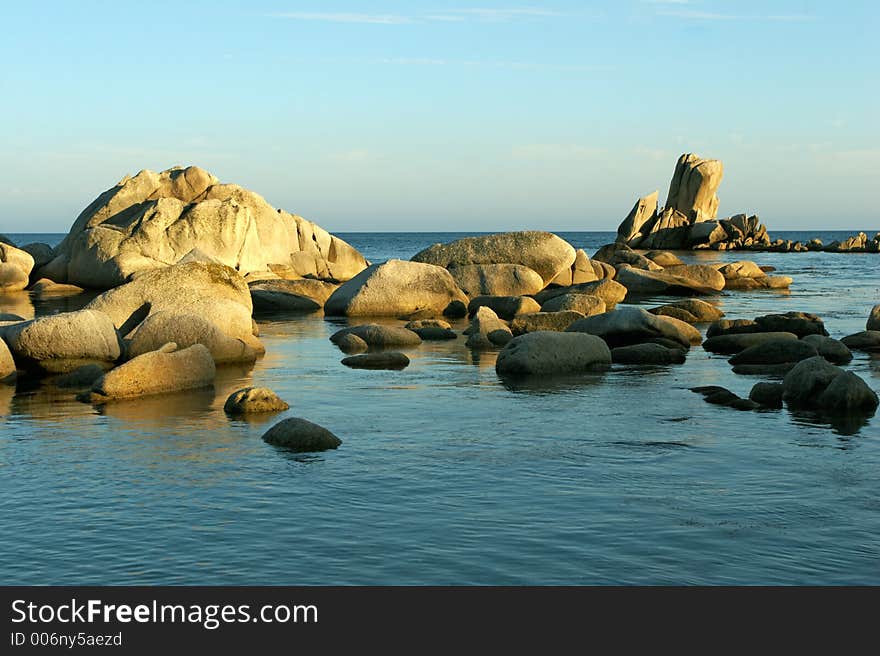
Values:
[(340, 17), (481, 14), (715, 16)]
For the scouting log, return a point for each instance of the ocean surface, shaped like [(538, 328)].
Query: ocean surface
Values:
[(447, 474)]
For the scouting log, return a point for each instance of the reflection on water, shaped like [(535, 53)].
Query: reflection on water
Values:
[(449, 474)]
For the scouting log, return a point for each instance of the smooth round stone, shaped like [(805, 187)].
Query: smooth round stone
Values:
[(385, 360), (301, 435), (254, 400)]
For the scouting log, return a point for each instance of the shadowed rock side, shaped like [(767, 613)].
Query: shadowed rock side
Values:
[(153, 220)]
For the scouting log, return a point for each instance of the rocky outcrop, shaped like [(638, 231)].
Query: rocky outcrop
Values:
[(643, 213), (302, 436), (254, 400), (583, 270), (214, 293), (497, 279), (15, 268), (552, 353), (693, 186), (543, 252), (59, 343), (653, 283), (158, 372), (154, 220), (610, 291), (398, 287)]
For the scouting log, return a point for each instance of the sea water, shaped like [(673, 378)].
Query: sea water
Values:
[(448, 474)]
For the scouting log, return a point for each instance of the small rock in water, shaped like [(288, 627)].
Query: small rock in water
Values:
[(350, 343), (377, 336), (385, 360), (768, 395), (647, 354), (301, 435), (435, 333), (831, 349), (254, 400), (867, 340)]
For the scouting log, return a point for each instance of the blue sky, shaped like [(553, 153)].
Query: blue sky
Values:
[(445, 115)]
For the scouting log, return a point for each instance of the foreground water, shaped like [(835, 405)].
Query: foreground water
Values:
[(446, 473)]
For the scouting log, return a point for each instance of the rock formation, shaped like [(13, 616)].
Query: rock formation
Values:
[(154, 220)]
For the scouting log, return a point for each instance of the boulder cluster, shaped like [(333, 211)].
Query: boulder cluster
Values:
[(689, 219), (186, 263)]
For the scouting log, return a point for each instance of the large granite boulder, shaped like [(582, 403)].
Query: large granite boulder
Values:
[(531, 323), (154, 220), (158, 372), (582, 270), (643, 213), (15, 268), (649, 283), (59, 343), (398, 287), (548, 353), (693, 186), (214, 292), (632, 325), (506, 307), (586, 304), (543, 252), (497, 279)]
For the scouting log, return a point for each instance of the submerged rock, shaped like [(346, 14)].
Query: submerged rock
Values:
[(397, 287), (649, 353), (736, 342), (384, 360), (546, 353), (379, 337), (768, 395), (252, 400), (301, 435)]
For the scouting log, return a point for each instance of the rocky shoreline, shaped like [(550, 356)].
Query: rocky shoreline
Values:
[(186, 263)]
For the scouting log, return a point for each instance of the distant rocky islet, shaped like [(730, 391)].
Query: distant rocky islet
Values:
[(187, 262)]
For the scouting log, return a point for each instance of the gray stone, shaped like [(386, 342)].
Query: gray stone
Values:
[(349, 343), (546, 353), (847, 393), (301, 435), (631, 325), (867, 340), (734, 343), (647, 354), (775, 351), (832, 350), (379, 337), (768, 395), (385, 360), (807, 380), (487, 330), (253, 400), (496, 279), (586, 304)]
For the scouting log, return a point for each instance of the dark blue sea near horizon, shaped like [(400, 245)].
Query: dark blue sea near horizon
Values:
[(448, 474)]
